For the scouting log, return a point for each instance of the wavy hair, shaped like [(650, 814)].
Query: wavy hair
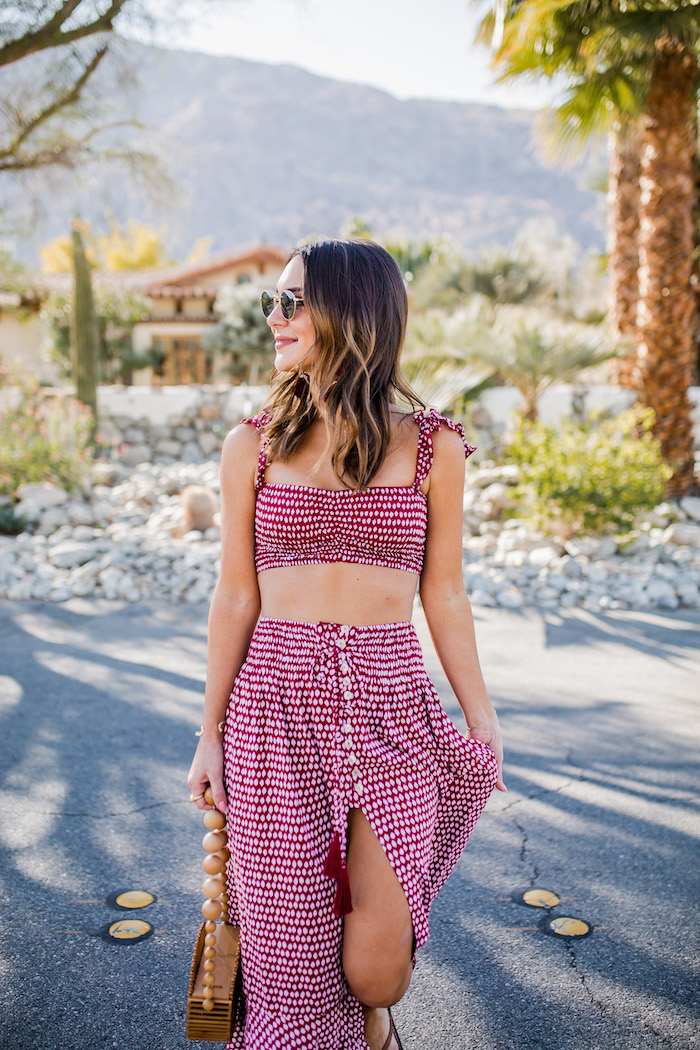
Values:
[(356, 299)]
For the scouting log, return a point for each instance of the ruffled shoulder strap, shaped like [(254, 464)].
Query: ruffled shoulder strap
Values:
[(259, 423), (430, 420)]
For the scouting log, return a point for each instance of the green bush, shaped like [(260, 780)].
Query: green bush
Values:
[(595, 476), (42, 438), (117, 313), (11, 523)]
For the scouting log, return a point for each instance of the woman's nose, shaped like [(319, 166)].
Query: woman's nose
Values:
[(276, 317)]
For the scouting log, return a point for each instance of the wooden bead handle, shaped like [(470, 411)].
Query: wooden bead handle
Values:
[(214, 889)]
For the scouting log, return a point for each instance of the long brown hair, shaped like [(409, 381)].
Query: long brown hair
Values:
[(357, 303)]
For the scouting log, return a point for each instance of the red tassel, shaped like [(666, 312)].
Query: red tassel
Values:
[(334, 862), (342, 904), (335, 869)]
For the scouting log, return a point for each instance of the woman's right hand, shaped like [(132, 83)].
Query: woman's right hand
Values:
[(490, 733), (207, 770)]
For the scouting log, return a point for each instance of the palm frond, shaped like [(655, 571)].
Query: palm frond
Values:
[(442, 387), (583, 118)]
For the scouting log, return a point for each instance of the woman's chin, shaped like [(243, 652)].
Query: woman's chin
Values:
[(282, 364), (289, 362)]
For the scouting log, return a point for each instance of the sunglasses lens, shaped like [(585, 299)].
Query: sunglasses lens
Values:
[(267, 302), (288, 305)]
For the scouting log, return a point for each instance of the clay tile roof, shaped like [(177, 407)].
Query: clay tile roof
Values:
[(189, 291), (175, 280), (262, 253)]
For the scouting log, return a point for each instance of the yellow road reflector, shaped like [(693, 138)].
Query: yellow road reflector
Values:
[(130, 899), (568, 926), (134, 899), (129, 930), (540, 898)]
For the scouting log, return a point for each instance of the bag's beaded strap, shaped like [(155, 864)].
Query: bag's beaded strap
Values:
[(214, 889)]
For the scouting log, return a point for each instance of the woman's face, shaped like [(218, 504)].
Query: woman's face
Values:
[(295, 340)]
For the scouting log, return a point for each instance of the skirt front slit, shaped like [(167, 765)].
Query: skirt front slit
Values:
[(324, 718)]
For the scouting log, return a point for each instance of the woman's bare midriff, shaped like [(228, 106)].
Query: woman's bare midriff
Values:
[(339, 592)]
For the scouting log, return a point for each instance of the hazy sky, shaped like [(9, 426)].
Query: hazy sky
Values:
[(411, 48)]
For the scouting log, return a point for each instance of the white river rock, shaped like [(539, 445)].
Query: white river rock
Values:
[(120, 542)]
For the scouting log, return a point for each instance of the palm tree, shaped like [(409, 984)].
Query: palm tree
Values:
[(439, 359), (533, 360), (666, 308), (622, 241), (631, 64)]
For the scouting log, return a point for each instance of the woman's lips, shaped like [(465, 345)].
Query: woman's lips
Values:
[(280, 344)]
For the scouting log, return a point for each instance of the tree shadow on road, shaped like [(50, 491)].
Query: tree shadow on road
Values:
[(99, 707), (602, 810), (99, 703)]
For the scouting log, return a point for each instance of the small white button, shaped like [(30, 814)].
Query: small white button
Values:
[(358, 787), (341, 643), (344, 666), (352, 759), (347, 727), (347, 695), (345, 628), (347, 744), (355, 773), (347, 682)]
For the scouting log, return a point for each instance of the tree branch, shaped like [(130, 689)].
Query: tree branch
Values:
[(69, 153), (62, 15), (51, 35), (69, 97)]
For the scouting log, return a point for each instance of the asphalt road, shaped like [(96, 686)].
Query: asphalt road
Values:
[(98, 702)]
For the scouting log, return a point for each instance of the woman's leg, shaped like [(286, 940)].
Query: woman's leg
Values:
[(378, 932)]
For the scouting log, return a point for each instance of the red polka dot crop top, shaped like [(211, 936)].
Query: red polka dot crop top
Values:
[(380, 525)]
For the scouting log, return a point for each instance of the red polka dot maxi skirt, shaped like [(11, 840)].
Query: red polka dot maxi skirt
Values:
[(324, 718)]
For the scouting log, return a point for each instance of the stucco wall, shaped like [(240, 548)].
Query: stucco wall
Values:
[(22, 342)]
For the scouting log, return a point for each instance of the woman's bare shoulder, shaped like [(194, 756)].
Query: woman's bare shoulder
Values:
[(242, 439), (240, 451)]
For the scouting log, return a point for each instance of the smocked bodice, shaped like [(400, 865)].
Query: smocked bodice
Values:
[(379, 525)]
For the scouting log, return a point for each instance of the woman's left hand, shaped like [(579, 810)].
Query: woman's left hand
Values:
[(491, 734)]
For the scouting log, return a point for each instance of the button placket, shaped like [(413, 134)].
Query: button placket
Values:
[(339, 642)]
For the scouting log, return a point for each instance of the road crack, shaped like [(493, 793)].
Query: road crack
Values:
[(583, 980), (524, 852)]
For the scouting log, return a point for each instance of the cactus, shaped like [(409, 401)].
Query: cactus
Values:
[(84, 328)]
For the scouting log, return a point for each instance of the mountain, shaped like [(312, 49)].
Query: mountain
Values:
[(276, 153)]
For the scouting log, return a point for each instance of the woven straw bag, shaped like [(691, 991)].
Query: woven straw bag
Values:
[(215, 1004)]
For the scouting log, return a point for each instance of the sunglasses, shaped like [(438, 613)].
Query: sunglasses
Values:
[(288, 303)]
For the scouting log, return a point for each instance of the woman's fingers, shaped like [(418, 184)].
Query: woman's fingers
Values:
[(217, 790), (491, 735), (207, 771)]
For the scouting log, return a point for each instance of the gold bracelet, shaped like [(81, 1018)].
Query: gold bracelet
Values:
[(220, 727)]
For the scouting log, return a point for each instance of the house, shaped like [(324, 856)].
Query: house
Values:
[(182, 306)]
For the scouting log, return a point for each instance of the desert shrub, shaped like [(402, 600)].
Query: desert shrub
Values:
[(594, 476), (11, 523), (242, 336), (42, 438), (117, 313)]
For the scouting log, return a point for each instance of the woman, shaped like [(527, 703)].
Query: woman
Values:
[(349, 793)]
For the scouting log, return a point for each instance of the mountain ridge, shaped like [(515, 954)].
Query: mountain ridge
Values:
[(276, 153)]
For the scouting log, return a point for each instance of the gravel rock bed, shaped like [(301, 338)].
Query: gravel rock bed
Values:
[(124, 539)]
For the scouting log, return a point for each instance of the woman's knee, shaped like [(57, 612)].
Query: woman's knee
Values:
[(376, 983)]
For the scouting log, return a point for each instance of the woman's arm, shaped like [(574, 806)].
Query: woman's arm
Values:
[(234, 609), (444, 599)]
